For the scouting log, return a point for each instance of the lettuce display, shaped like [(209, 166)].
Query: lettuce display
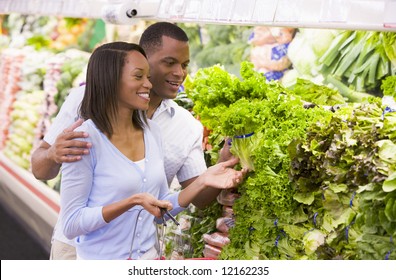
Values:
[(388, 86), (319, 94), (344, 171), (322, 184)]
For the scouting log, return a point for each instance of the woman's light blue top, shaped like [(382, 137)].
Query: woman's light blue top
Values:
[(106, 176)]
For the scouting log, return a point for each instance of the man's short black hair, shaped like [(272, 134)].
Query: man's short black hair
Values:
[(151, 38)]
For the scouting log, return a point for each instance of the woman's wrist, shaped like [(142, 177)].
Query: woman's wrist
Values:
[(188, 194), (201, 181), (135, 199)]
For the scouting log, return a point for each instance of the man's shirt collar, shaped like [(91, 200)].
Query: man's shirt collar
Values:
[(166, 105)]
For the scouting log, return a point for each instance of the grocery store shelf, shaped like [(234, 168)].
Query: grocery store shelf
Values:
[(334, 14), (32, 202)]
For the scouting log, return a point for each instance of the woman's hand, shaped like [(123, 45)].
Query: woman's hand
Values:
[(153, 205), (219, 176), (223, 176), (146, 200)]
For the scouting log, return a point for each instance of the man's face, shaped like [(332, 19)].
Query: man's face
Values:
[(168, 68)]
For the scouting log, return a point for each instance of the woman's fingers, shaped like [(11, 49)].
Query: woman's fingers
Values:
[(231, 162), (154, 205)]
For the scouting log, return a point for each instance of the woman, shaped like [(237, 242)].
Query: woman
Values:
[(110, 197)]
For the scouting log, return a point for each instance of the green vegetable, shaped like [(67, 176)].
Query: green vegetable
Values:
[(389, 209), (317, 94), (333, 51), (241, 121), (213, 44), (388, 86), (321, 181), (38, 41), (347, 92), (359, 60), (389, 43)]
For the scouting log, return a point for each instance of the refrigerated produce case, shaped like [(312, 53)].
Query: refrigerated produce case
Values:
[(32, 202)]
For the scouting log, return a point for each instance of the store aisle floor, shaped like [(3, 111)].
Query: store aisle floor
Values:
[(16, 243)]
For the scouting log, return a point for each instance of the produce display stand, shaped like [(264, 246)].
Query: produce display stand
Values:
[(36, 206), (30, 201)]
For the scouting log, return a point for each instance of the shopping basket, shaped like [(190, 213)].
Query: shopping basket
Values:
[(160, 235)]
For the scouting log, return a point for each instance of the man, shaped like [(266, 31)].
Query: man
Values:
[(167, 49)]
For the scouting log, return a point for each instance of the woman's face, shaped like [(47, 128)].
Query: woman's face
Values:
[(135, 85)]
